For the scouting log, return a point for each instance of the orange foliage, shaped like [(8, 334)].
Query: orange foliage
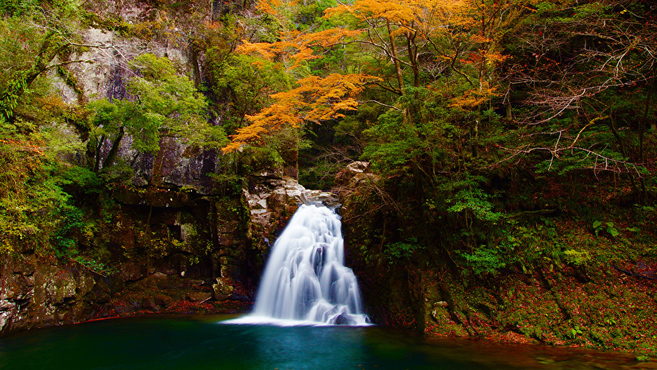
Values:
[(316, 99), (468, 43), (24, 146), (297, 46), (271, 6), (409, 15), (474, 97), (464, 34)]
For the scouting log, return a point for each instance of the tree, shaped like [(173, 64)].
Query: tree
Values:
[(584, 79), (41, 39), (315, 100), (162, 103), (439, 61), (438, 129), (37, 38)]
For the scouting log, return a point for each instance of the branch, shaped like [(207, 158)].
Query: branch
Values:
[(593, 121), (632, 273), (379, 103)]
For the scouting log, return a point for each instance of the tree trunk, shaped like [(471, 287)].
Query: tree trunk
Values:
[(395, 60)]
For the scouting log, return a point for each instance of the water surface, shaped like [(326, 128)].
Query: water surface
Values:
[(202, 343)]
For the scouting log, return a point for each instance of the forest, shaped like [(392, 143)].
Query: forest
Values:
[(505, 140)]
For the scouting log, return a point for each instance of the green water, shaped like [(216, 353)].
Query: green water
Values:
[(203, 343)]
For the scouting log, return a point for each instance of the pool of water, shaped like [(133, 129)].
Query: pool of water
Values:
[(205, 343)]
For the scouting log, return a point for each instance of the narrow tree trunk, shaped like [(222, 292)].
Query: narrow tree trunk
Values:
[(395, 60), (115, 148), (642, 130)]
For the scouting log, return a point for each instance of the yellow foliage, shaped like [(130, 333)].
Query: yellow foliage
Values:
[(462, 33), (269, 6), (474, 97)]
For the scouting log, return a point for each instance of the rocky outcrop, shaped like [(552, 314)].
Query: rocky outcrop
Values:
[(273, 200), (106, 72), (392, 293), (33, 294), (354, 175)]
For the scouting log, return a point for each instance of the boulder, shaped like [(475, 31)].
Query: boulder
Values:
[(222, 289), (273, 200), (350, 171)]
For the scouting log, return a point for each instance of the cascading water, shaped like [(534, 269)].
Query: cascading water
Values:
[(305, 280)]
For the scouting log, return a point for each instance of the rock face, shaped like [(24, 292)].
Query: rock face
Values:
[(105, 75), (32, 294)]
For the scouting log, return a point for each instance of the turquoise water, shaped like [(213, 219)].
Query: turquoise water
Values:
[(203, 343)]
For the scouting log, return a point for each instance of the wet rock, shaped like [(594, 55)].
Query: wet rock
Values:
[(343, 177), (84, 284), (273, 200), (61, 287), (341, 320), (132, 272), (5, 316)]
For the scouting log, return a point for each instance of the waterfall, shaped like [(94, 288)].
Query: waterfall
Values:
[(305, 280)]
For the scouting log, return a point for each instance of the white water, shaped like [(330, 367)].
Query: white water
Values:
[(305, 281)]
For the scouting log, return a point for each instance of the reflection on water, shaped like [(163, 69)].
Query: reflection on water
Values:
[(198, 342)]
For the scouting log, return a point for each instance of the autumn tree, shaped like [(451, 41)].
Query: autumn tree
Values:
[(446, 52), (434, 123), (314, 98)]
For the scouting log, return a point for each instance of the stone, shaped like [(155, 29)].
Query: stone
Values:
[(198, 296), (60, 286), (4, 319), (272, 200), (344, 177), (132, 272), (358, 166), (84, 284), (148, 304), (222, 289), (159, 276), (163, 301), (6, 305), (341, 320)]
